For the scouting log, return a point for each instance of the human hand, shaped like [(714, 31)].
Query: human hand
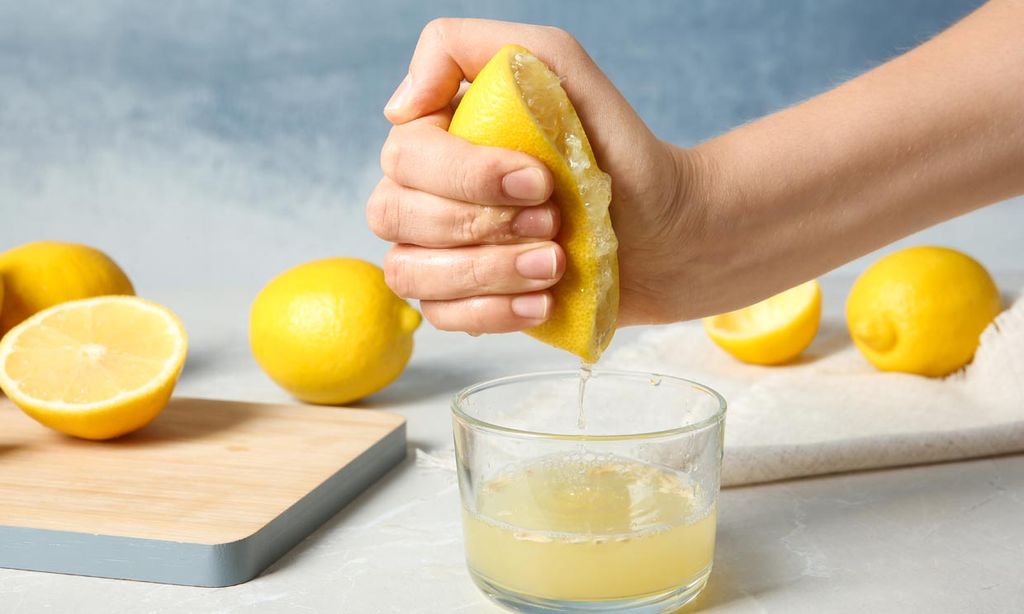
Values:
[(475, 225)]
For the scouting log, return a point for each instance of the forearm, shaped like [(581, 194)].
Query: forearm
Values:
[(928, 136)]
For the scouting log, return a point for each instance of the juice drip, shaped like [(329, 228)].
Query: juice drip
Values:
[(586, 369)]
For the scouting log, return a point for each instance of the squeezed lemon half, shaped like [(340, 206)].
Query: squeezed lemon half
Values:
[(517, 102)]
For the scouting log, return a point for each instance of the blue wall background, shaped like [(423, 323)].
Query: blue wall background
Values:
[(215, 143)]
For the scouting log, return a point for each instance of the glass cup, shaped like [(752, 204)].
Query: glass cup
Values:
[(601, 498)]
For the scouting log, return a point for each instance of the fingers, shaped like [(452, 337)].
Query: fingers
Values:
[(489, 314), (434, 274), (450, 50), (423, 156), (403, 215), (476, 268)]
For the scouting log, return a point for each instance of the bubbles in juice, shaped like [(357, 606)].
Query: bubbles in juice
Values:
[(583, 528)]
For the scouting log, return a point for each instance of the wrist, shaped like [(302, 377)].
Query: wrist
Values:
[(684, 241), (694, 190)]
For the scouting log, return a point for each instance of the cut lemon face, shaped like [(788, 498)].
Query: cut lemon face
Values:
[(773, 331), (516, 102), (94, 368)]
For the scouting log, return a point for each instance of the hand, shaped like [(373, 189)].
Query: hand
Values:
[(474, 225)]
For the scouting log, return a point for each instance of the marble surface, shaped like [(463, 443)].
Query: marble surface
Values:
[(940, 538)]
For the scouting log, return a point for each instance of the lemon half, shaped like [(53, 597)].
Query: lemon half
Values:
[(773, 331), (516, 102), (94, 368)]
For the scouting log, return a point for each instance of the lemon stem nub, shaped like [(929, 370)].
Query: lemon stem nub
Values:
[(876, 333), (410, 319)]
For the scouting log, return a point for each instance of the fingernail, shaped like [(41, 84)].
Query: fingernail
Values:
[(531, 306), (534, 223), (525, 184), (399, 98), (539, 263)]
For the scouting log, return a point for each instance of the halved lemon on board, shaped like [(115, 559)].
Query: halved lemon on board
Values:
[(516, 102), (773, 331), (94, 368)]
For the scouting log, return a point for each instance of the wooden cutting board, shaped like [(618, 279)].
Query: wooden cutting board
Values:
[(209, 494)]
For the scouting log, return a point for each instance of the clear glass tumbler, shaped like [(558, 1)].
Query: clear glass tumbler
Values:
[(607, 505)]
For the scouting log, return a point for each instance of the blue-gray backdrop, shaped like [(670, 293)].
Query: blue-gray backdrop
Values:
[(215, 143)]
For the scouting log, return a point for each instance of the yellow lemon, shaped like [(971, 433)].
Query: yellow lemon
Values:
[(331, 331), (46, 273), (773, 331), (94, 368), (921, 310), (516, 102)]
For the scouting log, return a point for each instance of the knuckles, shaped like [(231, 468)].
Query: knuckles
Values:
[(561, 39), (397, 274), (437, 27), (378, 214), (479, 315), (391, 153), (433, 311), (468, 273), (473, 315), (484, 224)]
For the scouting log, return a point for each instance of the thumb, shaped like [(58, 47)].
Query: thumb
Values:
[(452, 50), (448, 51)]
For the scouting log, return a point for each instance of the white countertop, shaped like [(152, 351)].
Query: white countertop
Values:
[(941, 538)]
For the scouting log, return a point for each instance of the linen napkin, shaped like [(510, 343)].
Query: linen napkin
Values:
[(832, 411)]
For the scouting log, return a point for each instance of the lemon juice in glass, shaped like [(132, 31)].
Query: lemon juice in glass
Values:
[(618, 516)]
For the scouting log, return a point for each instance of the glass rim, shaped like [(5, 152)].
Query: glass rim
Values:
[(459, 398)]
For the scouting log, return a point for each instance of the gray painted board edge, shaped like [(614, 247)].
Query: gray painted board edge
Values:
[(194, 564)]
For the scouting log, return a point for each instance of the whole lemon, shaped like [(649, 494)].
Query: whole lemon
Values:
[(46, 273), (331, 331), (921, 310)]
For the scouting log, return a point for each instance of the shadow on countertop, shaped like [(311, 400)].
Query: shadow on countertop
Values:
[(422, 381)]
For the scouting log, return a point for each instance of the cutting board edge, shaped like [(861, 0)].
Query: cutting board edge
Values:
[(198, 564)]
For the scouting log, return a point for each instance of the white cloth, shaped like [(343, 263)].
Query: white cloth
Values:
[(832, 411)]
